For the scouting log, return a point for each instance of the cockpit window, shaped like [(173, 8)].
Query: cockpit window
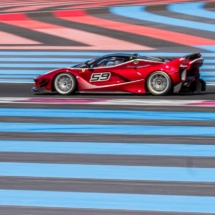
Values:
[(105, 62), (118, 61), (108, 62), (100, 63)]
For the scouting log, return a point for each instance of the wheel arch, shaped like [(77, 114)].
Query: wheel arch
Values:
[(59, 72), (63, 72), (163, 72)]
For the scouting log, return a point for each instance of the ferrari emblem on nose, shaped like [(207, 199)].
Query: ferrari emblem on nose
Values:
[(83, 70)]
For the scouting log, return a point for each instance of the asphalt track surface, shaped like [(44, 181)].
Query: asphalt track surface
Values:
[(24, 90), (93, 185), (103, 186)]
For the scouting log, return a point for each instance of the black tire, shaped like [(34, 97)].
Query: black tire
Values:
[(65, 83), (159, 83)]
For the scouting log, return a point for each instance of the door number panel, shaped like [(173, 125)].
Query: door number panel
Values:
[(100, 77)]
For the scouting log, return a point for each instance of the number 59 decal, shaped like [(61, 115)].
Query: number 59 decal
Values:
[(100, 77)]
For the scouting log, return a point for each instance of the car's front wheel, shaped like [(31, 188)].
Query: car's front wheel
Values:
[(159, 83), (65, 84)]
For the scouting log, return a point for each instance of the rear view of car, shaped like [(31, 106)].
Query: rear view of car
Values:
[(190, 74)]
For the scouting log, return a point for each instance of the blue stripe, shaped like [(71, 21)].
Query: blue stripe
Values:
[(208, 67), (95, 54), (210, 83), (114, 172), (208, 48), (138, 12), (192, 9), (208, 78), (207, 73), (16, 81), (33, 65), (58, 53), (108, 129), (30, 59), (29, 76), (52, 53), (106, 114), (209, 61), (166, 203), (23, 72), (108, 148)]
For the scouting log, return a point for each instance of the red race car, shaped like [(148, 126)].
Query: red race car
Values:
[(129, 73)]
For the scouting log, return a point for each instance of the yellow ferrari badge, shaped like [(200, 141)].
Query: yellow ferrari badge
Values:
[(131, 58), (83, 70)]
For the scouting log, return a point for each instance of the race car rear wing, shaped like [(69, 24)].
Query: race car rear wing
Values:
[(193, 56), (190, 59), (190, 65)]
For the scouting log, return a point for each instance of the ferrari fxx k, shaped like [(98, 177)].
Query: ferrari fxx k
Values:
[(129, 73)]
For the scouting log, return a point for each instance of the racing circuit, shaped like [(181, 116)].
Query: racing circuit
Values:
[(109, 154)]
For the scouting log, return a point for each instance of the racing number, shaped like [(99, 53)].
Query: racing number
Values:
[(100, 77)]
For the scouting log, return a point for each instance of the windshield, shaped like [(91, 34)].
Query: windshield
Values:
[(83, 65), (80, 65)]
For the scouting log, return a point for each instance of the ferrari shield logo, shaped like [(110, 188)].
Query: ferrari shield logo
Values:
[(83, 70)]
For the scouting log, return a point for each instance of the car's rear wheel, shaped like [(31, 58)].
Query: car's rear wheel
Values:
[(159, 83), (65, 84)]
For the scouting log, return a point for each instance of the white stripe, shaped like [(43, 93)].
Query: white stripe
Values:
[(133, 102), (196, 60)]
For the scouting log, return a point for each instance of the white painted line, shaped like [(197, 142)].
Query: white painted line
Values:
[(131, 102)]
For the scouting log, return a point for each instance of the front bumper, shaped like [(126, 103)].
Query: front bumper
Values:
[(38, 90), (42, 84)]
